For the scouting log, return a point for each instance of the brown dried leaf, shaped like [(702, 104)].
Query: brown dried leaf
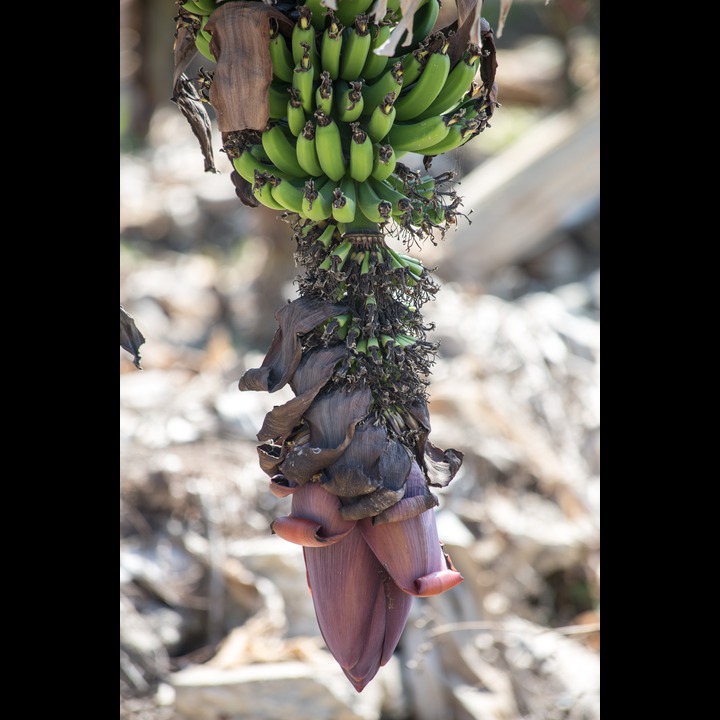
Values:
[(239, 92), (186, 97), (130, 337)]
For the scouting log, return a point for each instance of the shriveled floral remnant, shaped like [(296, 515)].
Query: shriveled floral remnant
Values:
[(318, 104)]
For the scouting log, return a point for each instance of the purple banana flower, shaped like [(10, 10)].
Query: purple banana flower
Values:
[(361, 507), (362, 575)]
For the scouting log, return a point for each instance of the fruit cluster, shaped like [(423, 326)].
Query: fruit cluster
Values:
[(341, 116)]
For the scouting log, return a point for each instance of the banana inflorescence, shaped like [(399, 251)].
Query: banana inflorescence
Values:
[(341, 115)]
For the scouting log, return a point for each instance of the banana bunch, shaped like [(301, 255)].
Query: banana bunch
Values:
[(341, 115)]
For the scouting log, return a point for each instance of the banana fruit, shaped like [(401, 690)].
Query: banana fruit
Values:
[(341, 115)]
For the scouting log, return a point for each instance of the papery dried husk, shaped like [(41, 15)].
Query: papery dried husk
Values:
[(295, 318), (329, 416), (240, 44), (311, 375)]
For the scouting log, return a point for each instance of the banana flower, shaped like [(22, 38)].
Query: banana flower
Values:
[(361, 507)]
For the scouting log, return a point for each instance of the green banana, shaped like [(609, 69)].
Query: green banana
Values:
[(414, 63), (400, 202), (382, 118), (371, 205), (206, 6), (247, 164), (303, 81), (317, 202), (262, 190), (329, 146), (384, 161), (289, 193), (278, 99), (348, 9), (303, 33), (306, 152), (420, 95), (203, 46), (423, 23), (318, 11), (349, 101), (281, 150), (324, 93), (459, 134), (331, 47), (295, 113), (355, 48), (375, 64), (344, 204), (416, 136), (390, 81), (361, 153), (280, 53), (458, 83), (194, 8)]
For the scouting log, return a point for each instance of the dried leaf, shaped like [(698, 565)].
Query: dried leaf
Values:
[(130, 337), (504, 10), (239, 91), (186, 97)]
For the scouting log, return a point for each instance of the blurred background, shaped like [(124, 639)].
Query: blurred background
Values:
[(216, 618)]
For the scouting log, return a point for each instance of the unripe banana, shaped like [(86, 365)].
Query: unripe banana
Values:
[(247, 164), (280, 53), (206, 6), (203, 46), (345, 201), (372, 206), (329, 146), (423, 23), (262, 190), (390, 81), (361, 153), (303, 80), (355, 48), (304, 32), (319, 12), (419, 96), (458, 83), (400, 202), (382, 118), (193, 8), (331, 47), (375, 64), (348, 9), (459, 134), (324, 93), (289, 193), (416, 136), (306, 151), (295, 113), (318, 198), (349, 100), (413, 64), (281, 150), (278, 99), (384, 161)]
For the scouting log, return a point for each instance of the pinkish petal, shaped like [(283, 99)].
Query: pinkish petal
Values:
[(409, 549), (304, 532), (281, 487), (314, 503), (438, 582)]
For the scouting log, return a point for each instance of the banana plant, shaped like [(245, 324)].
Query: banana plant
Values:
[(319, 105)]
